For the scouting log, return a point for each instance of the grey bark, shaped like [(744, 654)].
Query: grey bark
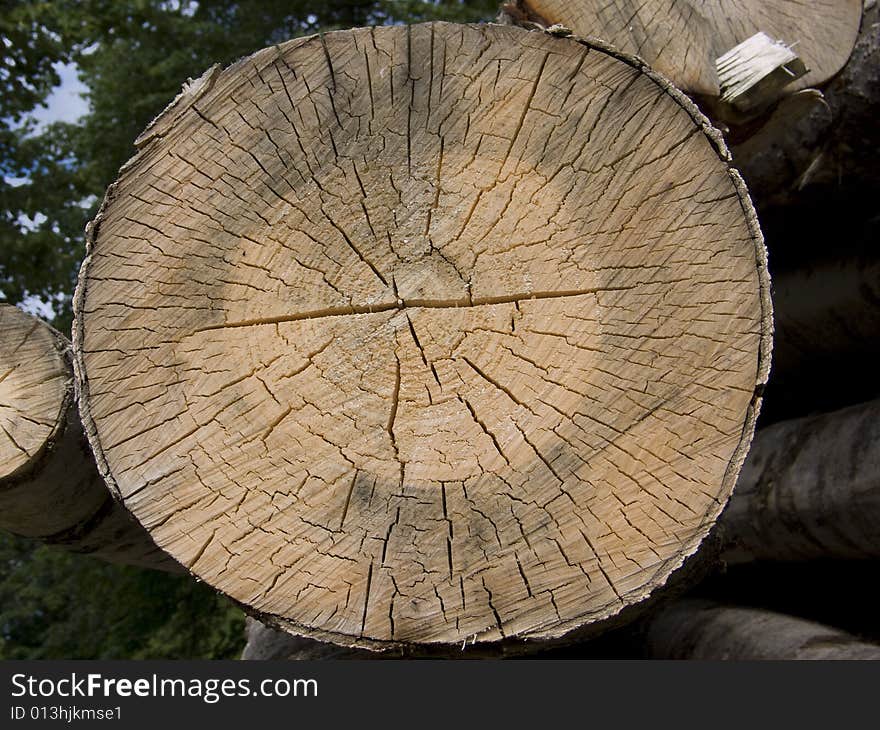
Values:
[(264, 642), (830, 145), (810, 488), (825, 313), (692, 629)]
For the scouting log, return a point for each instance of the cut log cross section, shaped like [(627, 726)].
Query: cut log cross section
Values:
[(35, 391), (683, 38), (413, 336)]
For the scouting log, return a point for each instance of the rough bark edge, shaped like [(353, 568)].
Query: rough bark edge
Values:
[(296, 647), (788, 510), (192, 91), (520, 13), (573, 629)]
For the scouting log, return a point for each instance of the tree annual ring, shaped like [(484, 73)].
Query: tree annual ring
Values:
[(426, 335)]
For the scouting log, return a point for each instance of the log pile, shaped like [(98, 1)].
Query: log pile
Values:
[(812, 132), (450, 340), (809, 160)]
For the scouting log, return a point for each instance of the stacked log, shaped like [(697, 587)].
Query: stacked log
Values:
[(816, 131), (683, 39), (810, 489), (704, 630), (808, 156), (452, 334)]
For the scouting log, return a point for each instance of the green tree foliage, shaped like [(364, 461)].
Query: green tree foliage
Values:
[(132, 56), (57, 605), (40, 261)]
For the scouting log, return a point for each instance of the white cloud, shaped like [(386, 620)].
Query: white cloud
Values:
[(65, 103)]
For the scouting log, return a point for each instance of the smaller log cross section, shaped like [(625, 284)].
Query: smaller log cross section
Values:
[(683, 38), (49, 486)]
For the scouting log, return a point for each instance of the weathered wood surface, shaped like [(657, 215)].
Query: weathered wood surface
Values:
[(452, 333), (49, 486), (814, 144), (754, 73)]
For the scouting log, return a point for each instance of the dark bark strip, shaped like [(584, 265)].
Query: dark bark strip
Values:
[(691, 629)]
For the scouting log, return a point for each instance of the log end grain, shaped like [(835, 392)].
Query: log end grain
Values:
[(411, 336), (682, 39), (35, 390)]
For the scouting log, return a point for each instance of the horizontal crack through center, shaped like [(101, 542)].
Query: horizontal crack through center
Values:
[(401, 304)]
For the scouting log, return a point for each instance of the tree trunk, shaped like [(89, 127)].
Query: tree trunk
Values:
[(820, 141), (49, 487), (826, 303), (266, 643), (415, 336), (692, 629), (777, 158), (810, 488)]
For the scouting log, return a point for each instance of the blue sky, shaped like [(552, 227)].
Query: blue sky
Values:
[(65, 103)]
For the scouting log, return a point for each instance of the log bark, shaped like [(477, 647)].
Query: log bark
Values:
[(265, 644), (694, 629), (411, 336), (826, 315), (49, 486), (821, 141), (850, 156), (827, 319), (682, 39), (810, 488), (776, 159)]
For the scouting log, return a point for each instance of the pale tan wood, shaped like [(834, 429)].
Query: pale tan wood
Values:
[(814, 142), (703, 630), (410, 336), (49, 486), (35, 389), (682, 38)]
